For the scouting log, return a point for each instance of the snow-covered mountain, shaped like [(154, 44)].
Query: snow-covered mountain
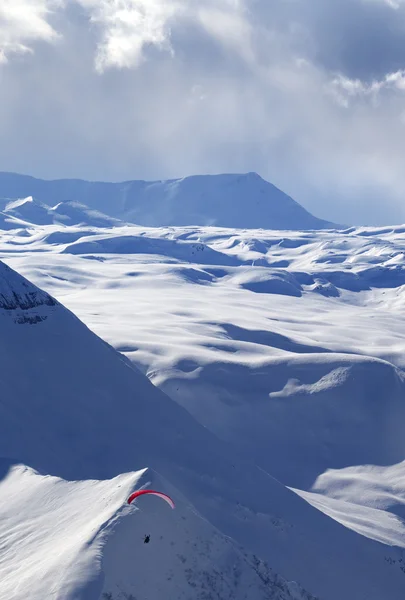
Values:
[(245, 201), (77, 539), (79, 424), (29, 211)]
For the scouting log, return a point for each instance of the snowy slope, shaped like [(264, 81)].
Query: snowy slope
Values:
[(245, 200), (375, 523), (78, 539), (338, 410), (51, 535), (30, 211), (367, 498), (74, 408), (381, 487), (186, 556), (74, 213), (8, 222)]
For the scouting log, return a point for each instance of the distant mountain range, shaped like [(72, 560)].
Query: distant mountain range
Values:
[(237, 201)]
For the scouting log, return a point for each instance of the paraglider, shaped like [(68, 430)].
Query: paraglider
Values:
[(165, 497), (159, 494)]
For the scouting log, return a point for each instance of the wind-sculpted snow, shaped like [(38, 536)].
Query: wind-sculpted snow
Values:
[(272, 354), (377, 524), (381, 487), (368, 498)]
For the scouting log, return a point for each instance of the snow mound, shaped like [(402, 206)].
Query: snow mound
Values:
[(166, 248), (267, 281), (64, 237), (229, 200), (325, 288)]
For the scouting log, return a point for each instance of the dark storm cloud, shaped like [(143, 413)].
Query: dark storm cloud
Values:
[(361, 38)]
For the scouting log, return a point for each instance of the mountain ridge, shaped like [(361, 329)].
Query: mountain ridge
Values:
[(244, 201)]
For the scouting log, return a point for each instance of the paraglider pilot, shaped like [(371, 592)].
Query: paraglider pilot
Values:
[(138, 493)]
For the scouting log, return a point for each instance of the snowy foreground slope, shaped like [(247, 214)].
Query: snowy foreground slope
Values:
[(281, 355), (72, 407), (244, 200), (65, 539)]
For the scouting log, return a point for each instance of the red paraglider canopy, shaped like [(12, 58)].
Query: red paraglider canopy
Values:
[(143, 492)]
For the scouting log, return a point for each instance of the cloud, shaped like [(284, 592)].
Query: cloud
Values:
[(310, 94), (23, 22), (391, 3), (359, 38), (127, 26), (345, 89)]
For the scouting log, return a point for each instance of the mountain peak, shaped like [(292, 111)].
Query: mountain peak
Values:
[(244, 201), (22, 300)]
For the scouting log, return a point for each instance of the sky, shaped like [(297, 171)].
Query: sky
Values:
[(310, 94)]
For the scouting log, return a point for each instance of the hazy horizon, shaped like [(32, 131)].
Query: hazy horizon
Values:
[(309, 95)]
